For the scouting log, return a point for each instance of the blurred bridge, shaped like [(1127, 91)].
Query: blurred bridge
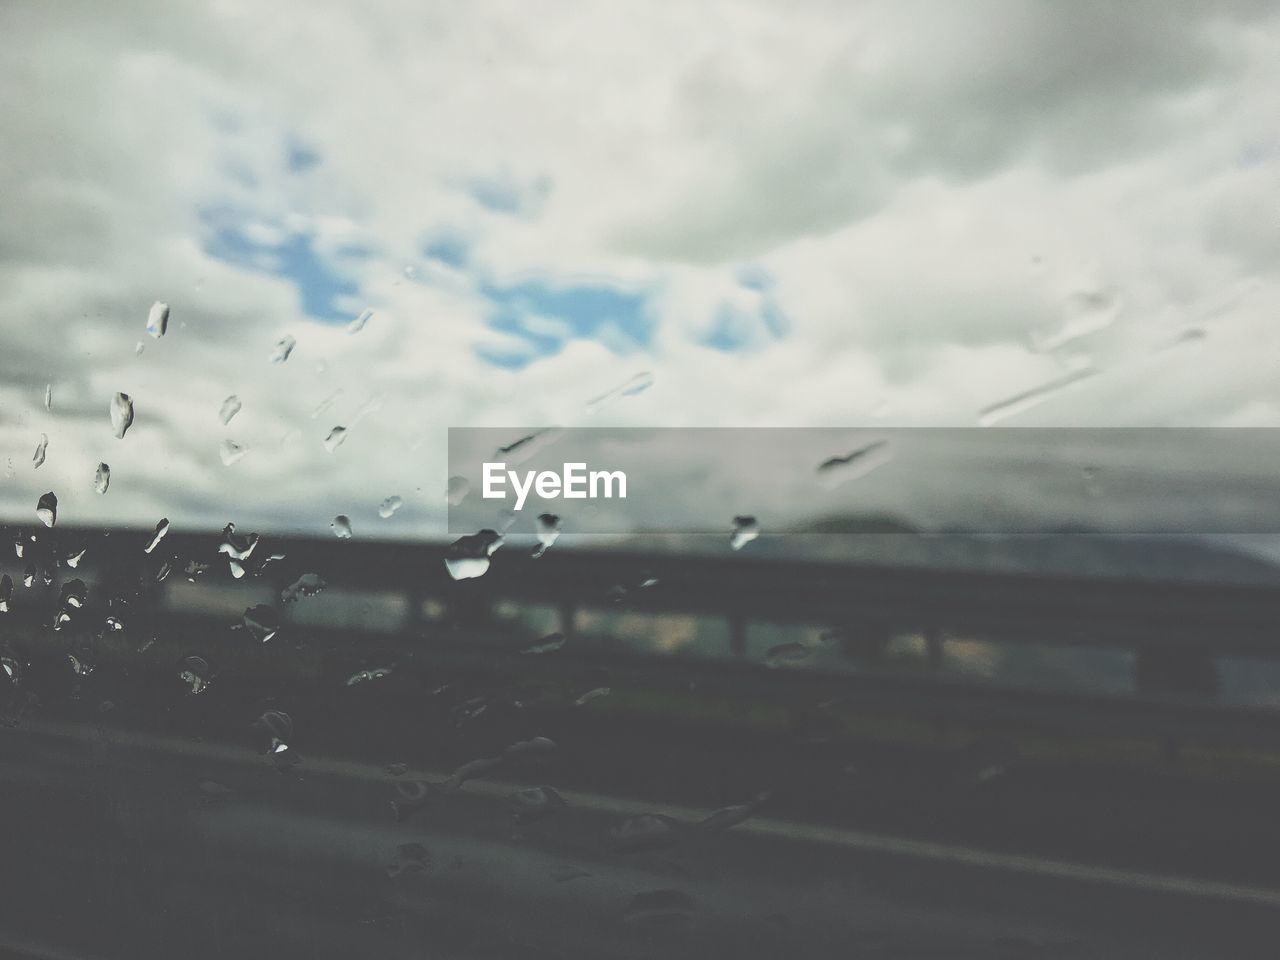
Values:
[(911, 812)]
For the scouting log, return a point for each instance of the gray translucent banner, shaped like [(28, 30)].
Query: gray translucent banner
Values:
[(952, 480)]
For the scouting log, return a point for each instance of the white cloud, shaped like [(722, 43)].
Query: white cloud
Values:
[(924, 188)]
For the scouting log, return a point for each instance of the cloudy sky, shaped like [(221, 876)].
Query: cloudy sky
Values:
[(789, 214)]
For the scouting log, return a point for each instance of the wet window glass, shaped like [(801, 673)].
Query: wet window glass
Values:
[(622, 481)]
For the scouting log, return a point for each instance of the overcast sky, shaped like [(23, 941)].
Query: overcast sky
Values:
[(790, 214)]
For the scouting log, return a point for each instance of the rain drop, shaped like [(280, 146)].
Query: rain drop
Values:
[(745, 529), (855, 464), (590, 695), (341, 525), (101, 478), (648, 831), (47, 509), (121, 414), (48, 396), (231, 452), (194, 672), (38, 457), (284, 346), (548, 644), (326, 403), (1084, 313), (362, 676), (29, 575), (389, 506), (6, 592), (161, 529), (74, 559), (230, 407), (637, 384), (534, 803), (468, 556), (275, 730), (307, 585), (785, 654), (158, 320), (1032, 397), (356, 325), (261, 622), (548, 532), (334, 440)]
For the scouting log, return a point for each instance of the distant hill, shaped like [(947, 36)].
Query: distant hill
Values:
[(887, 541)]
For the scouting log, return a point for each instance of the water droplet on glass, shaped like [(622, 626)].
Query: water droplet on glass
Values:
[(548, 644), (548, 532), (73, 594), (520, 450), (1084, 313), (412, 795), (138, 348), (121, 414), (363, 676), (468, 556), (534, 803), (230, 452), (590, 695), (29, 575), (1032, 397), (284, 346), (48, 396), (637, 384), (731, 816), (73, 560), (785, 654), (80, 666), (6, 593), (102, 478), (341, 525), (745, 529), (356, 325), (113, 624), (47, 509), (158, 320), (194, 672), (261, 622), (235, 546), (38, 457), (274, 730), (855, 464), (46, 577), (307, 585), (335, 438), (326, 403), (389, 506), (458, 489), (648, 831), (230, 407), (157, 535)]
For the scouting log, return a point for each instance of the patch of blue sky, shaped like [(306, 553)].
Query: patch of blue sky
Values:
[(546, 315), (324, 288), (736, 327)]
